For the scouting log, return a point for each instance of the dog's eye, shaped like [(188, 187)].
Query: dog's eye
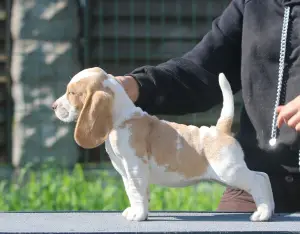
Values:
[(71, 93)]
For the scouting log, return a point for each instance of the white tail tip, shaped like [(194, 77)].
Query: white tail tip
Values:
[(223, 81)]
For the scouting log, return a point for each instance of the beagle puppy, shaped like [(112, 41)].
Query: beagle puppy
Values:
[(146, 150)]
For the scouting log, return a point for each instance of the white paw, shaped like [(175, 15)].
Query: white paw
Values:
[(135, 213), (263, 213)]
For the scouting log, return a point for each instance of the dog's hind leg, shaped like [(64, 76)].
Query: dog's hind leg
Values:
[(255, 183), (234, 172)]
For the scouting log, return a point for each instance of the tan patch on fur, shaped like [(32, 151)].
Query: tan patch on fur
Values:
[(94, 102), (174, 146), (223, 138), (97, 69), (214, 144), (224, 125), (76, 91)]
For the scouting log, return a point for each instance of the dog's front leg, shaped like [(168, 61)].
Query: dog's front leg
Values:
[(136, 184)]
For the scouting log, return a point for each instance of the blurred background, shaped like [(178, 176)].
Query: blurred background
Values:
[(43, 43)]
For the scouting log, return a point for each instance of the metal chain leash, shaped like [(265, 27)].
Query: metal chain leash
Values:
[(272, 141)]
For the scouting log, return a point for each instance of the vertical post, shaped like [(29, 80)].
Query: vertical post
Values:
[(102, 150), (116, 25), (148, 33), (101, 33), (86, 53), (163, 24), (209, 14), (9, 103), (179, 23), (194, 26), (86, 34), (132, 34)]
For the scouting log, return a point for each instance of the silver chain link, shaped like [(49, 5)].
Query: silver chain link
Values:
[(280, 72)]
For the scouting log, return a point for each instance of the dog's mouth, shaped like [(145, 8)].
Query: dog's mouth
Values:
[(66, 115), (62, 113)]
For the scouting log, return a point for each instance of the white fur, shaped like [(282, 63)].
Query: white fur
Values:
[(65, 111), (228, 168), (84, 74), (123, 107), (135, 174), (228, 102)]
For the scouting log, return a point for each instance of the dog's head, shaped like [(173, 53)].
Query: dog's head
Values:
[(89, 103)]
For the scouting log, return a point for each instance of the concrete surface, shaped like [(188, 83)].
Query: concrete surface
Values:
[(159, 222)]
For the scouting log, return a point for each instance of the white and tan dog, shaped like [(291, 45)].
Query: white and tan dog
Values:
[(146, 150)]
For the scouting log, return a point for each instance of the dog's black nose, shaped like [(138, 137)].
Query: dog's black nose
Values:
[(54, 105)]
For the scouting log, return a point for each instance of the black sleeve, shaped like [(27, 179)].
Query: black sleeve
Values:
[(190, 83)]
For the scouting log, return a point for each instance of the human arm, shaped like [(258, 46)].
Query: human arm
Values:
[(190, 83)]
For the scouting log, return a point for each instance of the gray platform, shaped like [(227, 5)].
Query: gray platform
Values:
[(160, 222)]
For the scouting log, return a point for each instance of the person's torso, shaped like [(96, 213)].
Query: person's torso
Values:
[(261, 42)]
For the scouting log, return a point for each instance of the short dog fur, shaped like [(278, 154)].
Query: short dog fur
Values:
[(146, 150)]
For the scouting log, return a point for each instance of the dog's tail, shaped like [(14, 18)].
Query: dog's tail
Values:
[(224, 123)]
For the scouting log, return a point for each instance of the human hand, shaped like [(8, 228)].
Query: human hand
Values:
[(130, 85), (290, 114)]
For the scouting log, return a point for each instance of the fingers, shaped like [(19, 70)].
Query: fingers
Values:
[(130, 86), (285, 114), (280, 118), (279, 108), (294, 120), (289, 114)]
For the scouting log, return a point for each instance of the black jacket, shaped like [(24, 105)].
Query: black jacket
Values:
[(244, 44)]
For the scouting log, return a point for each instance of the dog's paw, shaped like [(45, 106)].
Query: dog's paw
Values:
[(263, 213), (135, 213)]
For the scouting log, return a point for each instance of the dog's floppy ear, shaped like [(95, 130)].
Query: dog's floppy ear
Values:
[(95, 120)]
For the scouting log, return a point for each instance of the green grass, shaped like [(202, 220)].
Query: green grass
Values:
[(53, 189)]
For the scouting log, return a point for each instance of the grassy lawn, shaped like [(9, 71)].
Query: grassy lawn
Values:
[(52, 189)]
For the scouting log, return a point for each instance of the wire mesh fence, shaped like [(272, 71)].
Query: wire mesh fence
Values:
[(47, 49), (127, 34), (119, 36)]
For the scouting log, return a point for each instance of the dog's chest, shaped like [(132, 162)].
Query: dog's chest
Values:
[(113, 150)]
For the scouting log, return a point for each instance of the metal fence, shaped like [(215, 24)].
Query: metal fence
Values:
[(120, 35), (117, 35)]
